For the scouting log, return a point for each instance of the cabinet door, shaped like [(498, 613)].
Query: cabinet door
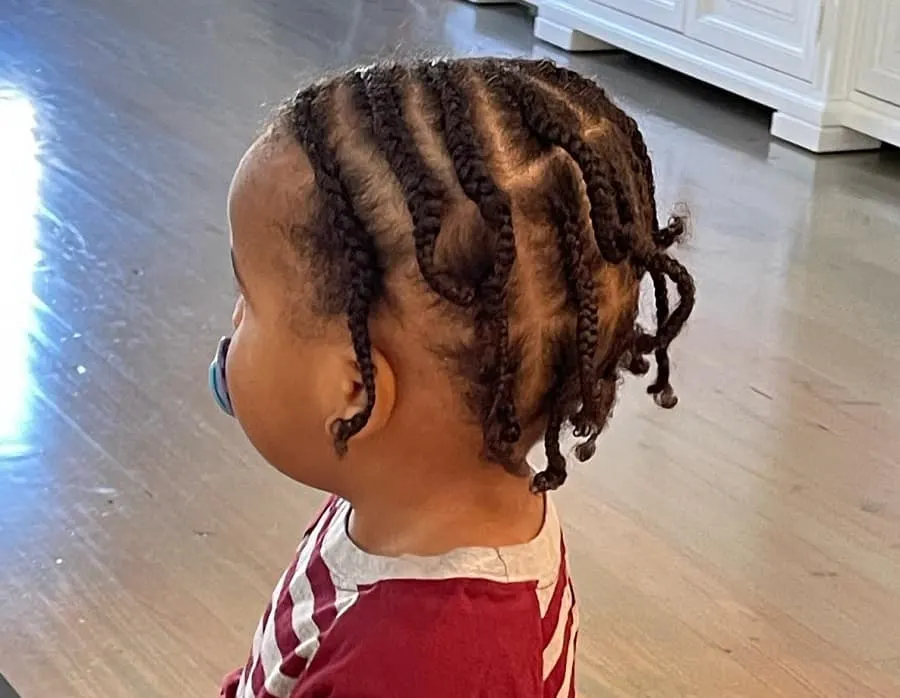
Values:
[(879, 50), (780, 34), (667, 13)]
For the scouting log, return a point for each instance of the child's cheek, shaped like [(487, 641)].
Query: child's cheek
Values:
[(251, 370), (244, 386), (258, 392), (239, 371)]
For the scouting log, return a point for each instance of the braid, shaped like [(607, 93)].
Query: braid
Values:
[(554, 475), (423, 192), (555, 122), (443, 79), (607, 399), (662, 237), (595, 98), (662, 267), (660, 388), (309, 117), (360, 99), (674, 231), (613, 220), (546, 114), (684, 283), (566, 212)]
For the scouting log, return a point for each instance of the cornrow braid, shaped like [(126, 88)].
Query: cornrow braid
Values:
[(543, 111), (424, 194), (359, 98), (660, 267), (663, 238), (309, 117), (566, 213), (595, 97), (444, 80), (555, 122)]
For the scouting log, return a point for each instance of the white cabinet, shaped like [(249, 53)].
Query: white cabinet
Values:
[(666, 13), (780, 34), (879, 56), (830, 69)]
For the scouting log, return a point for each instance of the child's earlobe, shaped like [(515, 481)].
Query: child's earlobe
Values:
[(352, 396)]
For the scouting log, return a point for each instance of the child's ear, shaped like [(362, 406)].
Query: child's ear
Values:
[(350, 397)]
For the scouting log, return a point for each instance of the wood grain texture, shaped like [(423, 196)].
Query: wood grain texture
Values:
[(746, 544)]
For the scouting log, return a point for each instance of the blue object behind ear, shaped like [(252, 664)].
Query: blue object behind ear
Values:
[(218, 383)]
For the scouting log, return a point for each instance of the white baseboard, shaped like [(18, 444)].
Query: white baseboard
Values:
[(873, 116), (567, 39), (755, 82), (820, 139)]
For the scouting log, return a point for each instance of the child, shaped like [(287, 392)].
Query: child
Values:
[(439, 265)]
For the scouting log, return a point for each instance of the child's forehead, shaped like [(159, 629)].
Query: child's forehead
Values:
[(270, 194), (271, 186), (273, 168)]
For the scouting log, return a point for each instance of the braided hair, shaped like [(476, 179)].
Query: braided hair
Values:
[(595, 193)]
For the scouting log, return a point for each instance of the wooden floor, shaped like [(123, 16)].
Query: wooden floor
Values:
[(746, 544)]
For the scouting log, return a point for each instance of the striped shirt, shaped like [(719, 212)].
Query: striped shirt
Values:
[(341, 623)]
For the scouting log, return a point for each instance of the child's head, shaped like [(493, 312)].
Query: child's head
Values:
[(441, 263)]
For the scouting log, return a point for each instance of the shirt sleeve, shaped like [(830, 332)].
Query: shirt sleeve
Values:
[(460, 638), (230, 684)]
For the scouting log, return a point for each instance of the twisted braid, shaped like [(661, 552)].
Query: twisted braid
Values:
[(359, 98), (425, 196), (552, 121), (672, 233), (606, 400), (684, 283), (565, 211), (660, 388), (444, 80), (593, 97), (537, 110), (309, 118), (668, 325), (554, 475)]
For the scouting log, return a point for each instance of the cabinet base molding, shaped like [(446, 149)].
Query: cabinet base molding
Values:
[(823, 114), (820, 139), (566, 38)]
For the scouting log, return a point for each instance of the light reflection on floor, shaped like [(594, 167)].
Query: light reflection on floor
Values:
[(20, 174)]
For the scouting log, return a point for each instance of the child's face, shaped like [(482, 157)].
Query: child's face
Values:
[(287, 387)]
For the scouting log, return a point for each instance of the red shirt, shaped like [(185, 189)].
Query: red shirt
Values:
[(476, 622)]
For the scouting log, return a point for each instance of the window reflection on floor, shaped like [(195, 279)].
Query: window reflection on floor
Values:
[(20, 174)]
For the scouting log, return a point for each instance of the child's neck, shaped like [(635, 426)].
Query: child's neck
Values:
[(434, 515)]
